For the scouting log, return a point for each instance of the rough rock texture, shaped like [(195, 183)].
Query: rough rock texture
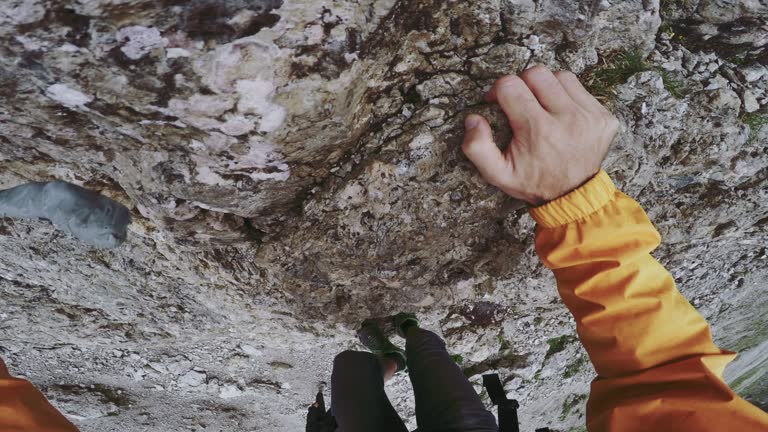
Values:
[(293, 167)]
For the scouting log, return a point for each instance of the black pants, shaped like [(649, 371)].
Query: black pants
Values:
[(445, 400)]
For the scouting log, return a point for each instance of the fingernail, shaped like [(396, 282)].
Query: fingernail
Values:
[(471, 122)]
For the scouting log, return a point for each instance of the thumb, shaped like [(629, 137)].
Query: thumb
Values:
[(480, 148)]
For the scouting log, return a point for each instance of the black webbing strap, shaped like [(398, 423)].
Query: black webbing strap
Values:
[(507, 408)]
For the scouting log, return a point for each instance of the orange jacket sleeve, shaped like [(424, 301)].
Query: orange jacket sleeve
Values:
[(24, 408), (658, 369)]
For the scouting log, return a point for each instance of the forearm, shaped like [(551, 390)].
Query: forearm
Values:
[(629, 312), (658, 368)]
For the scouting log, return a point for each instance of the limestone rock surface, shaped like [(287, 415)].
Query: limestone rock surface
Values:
[(294, 167)]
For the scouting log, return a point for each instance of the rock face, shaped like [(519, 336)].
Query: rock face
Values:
[(293, 167)]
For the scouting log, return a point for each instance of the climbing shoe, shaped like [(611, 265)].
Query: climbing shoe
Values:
[(403, 321), (371, 335)]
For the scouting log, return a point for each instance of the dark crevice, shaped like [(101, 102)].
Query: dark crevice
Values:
[(211, 19), (79, 25), (685, 32)]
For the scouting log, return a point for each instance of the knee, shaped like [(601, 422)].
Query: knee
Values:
[(349, 357), (424, 338)]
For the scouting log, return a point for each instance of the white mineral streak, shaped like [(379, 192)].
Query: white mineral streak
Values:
[(256, 97), (22, 11), (67, 96), (262, 161), (228, 70), (68, 47), (261, 154), (140, 41), (245, 58), (177, 52), (237, 125), (30, 43), (201, 105), (205, 173)]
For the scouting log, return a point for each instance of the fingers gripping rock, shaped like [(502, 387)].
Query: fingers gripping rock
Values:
[(87, 215)]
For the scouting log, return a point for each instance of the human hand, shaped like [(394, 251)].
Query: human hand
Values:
[(561, 136)]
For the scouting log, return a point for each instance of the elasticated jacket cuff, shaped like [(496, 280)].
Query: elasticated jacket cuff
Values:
[(577, 204)]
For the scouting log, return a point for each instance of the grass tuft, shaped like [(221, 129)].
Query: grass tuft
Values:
[(668, 7), (574, 368), (738, 59), (570, 403), (673, 85), (755, 122), (616, 68), (558, 344)]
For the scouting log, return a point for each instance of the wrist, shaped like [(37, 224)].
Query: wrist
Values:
[(558, 192), (577, 204)]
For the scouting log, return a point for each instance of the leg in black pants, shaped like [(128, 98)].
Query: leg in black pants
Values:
[(358, 400), (445, 400)]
